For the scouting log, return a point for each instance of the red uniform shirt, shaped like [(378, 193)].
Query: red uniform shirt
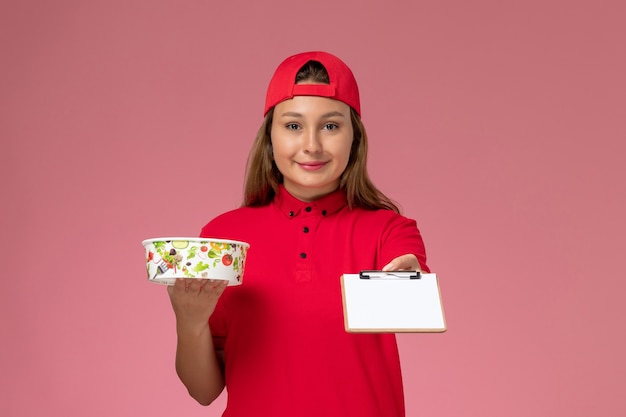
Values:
[(287, 353)]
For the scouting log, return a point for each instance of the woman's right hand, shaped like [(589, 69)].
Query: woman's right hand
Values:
[(194, 300)]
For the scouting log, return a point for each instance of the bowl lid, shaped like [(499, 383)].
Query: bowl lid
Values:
[(193, 239)]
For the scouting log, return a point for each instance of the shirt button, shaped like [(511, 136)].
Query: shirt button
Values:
[(303, 255), (308, 209), (291, 213), (305, 230), (323, 212)]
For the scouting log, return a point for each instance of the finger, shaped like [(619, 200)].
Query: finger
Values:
[(179, 285), (194, 285), (170, 289), (202, 283), (220, 286), (406, 262), (212, 285), (389, 267), (214, 289), (218, 283)]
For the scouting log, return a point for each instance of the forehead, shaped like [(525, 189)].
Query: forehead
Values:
[(311, 105)]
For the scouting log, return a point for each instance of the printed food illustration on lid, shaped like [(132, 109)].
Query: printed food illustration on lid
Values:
[(168, 259)]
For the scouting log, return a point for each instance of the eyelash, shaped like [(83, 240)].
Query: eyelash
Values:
[(328, 126)]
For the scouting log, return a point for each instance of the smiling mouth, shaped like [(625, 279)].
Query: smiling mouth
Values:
[(312, 165)]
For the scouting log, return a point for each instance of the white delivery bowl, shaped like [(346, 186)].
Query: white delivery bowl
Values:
[(168, 258)]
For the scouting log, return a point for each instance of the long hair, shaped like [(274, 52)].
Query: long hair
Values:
[(263, 177)]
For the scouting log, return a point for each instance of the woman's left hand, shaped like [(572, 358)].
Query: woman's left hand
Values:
[(406, 262)]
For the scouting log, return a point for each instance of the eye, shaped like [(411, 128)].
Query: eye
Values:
[(292, 126), (331, 126)]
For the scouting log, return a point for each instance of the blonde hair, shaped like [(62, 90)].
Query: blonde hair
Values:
[(263, 177)]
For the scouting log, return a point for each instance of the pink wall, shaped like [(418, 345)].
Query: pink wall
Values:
[(500, 128)]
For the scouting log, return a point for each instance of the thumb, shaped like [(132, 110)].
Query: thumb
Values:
[(406, 262), (389, 267)]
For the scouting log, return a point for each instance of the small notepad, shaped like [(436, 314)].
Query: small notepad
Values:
[(392, 305)]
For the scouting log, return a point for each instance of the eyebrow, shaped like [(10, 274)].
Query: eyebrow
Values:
[(325, 115)]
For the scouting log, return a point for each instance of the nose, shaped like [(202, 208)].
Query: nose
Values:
[(312, 142)]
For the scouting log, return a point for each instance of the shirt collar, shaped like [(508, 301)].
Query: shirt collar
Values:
[(291, 207)]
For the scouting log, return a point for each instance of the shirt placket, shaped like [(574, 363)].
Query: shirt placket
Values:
[(308, 223)]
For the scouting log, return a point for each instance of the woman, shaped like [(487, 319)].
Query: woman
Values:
[(310, 214)]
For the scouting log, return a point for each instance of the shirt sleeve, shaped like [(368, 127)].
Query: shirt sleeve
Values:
[(400, 237)]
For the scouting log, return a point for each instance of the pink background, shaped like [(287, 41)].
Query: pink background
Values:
[(498, 126)]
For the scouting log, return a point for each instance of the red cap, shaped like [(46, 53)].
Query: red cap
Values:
[(342, 85)]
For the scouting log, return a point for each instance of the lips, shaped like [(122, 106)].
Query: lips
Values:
[(312, 166)]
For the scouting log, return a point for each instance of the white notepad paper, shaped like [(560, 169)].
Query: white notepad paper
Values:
[(392, 305)]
